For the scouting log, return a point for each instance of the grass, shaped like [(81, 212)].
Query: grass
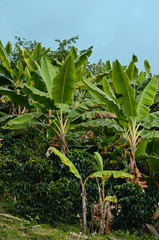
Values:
[(15, 228)]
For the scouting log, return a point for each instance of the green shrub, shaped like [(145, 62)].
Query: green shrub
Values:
[(44, 187), (137, 207)]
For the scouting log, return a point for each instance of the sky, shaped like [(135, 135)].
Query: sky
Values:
[(117, 29)]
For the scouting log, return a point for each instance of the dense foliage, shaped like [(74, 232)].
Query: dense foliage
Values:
[(55, 98), (136, 207), (42, 187)]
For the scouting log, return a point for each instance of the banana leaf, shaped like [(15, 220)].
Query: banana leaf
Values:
[(6, 118), (30, 61), (108, 174), (67, 162), (99, 161), (48, 74), (37, 51), (85, 106), (104, 98), (64, 82), (141, 148), (39, 96), (82, 58), (19, 99), (108, 90), (147, 97), (149, 134), (4, 71), (5, 58), (29, 124), (8, 48), (109, 123), (131, 71), (153, 162), (123, 87), (26, 121)]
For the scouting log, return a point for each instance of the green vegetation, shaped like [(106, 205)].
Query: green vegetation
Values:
[(16, 228), (100, 120)]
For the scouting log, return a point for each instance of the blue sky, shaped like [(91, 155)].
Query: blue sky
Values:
[(115, 28)]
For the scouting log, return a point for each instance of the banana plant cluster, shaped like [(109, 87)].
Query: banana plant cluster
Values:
[(44, 90), (130, 106), (40, 93)]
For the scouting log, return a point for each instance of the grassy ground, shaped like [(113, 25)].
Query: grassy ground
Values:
[(15, 228)]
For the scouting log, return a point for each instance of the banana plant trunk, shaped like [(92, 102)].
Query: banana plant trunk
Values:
[(84, 209), (135, 171), (132, 160), (63, 145)]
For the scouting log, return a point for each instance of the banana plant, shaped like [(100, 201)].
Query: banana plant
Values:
[(130, 110), (105, 200), (100, 174), (56, 87)]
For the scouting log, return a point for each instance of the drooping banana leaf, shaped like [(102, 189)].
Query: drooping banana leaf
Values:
[(26, 120), (19, 99), (123, 87), (153, 124), (147, 97), (111, 199), (64, 82), (92, 114), (99, 123), (6, 118), (98, 78), (151, 121), (151, 116), (67, 162), (108, 174), (104, 98), (29, 124), (39, 96), (87, 105), (149, 134), (48, 74)]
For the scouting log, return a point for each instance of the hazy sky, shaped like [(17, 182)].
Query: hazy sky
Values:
[(115, 28)]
